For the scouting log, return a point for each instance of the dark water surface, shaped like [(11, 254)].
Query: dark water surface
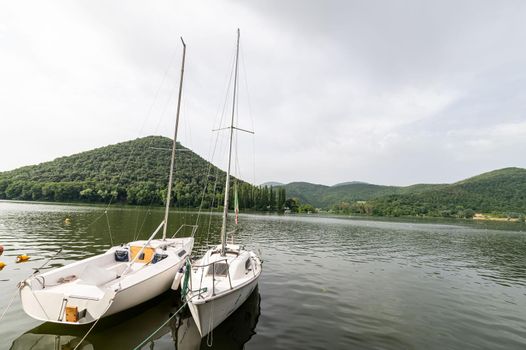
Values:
[(327, 282)]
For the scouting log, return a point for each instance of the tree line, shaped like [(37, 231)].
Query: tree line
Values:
[(134, 172), (259, 198)]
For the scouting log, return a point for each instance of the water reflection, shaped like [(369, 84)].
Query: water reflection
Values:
[(233, 333), (50, 341), (129, 329)]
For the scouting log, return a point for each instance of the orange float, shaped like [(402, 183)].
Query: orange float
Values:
[(22, 258)]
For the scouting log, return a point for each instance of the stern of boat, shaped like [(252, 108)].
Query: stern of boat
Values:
[(58, 307)]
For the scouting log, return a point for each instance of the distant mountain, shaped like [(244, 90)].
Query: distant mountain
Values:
[(498, 191), (272, 183), (349, 183), (322, 196), (306, 192)]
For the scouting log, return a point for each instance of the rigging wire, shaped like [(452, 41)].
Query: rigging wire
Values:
[(252, 118), (212, 152), (171, 96), (131, 153), (109, 227)]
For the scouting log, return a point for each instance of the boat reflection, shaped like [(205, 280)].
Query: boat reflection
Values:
[(129, 329), (50, 341), (233, 333)]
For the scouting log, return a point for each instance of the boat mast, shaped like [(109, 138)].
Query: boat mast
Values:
[(172, 161), (227, 184)]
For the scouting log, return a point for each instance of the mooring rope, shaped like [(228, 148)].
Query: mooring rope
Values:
[(37, 270), (161, 326), (87, 333), (93, 325), (9, 305)]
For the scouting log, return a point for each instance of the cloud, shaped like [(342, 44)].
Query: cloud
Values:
[(379, 91)]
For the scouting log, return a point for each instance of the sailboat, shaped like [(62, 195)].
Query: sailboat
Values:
[(227, 274), (124, 276)]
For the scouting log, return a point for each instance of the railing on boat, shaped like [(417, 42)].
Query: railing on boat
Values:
[(225, 260)]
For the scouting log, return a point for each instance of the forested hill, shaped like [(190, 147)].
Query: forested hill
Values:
[(134, 172), (500, 191), (322, 196)]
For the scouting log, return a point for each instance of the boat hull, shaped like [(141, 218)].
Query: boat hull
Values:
[(49, 304), (143, 291), (211, 313)]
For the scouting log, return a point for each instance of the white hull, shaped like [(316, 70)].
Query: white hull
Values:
[(220, 284), (143, 291), (209, 315), (100, 286)]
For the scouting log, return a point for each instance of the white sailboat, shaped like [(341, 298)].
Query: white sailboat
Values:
[(226, 275), (124, 276)]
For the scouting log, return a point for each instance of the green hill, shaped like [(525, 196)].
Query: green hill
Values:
[(134, 172), (322, 196), (500, 191), (306, 192)]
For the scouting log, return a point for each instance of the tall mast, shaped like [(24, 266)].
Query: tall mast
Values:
[(227, 184), (172, 161)]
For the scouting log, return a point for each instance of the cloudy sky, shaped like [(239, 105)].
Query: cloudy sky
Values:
[(388, 92)]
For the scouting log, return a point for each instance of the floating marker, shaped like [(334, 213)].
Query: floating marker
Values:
[(2, 265), (1, 249), (22, 258), (67, 221)]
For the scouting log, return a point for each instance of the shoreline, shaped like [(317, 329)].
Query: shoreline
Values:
[(478, 217)]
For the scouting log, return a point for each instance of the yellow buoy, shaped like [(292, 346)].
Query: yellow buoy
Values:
[(22, 258), (2, 265), (67, 221)]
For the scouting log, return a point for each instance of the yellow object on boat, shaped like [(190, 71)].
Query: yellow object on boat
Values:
[(2, 265), (72, 314), (22, 258), (146, 256)]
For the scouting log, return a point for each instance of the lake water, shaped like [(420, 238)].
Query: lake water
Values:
[(327, 283)]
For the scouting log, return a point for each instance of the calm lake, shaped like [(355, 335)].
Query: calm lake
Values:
[(327, 283)]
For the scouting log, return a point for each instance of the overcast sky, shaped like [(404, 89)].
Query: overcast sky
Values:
[(388, 92)]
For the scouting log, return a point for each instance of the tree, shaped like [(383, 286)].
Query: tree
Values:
[(306, 208), (272, 199), (281, 199), (292, 204)]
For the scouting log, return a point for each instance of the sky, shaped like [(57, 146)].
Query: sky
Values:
[(386, 92)]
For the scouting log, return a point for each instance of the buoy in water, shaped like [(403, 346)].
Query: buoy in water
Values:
[(1, 249), (2, 265), (22, 258), (67, 221)]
